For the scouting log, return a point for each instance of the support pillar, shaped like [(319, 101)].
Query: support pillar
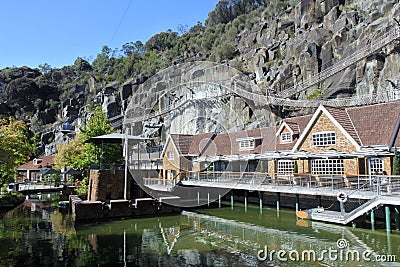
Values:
[(319, 202), (198, 198), (372, 220), (297, 202), (278, 199), (261, 202), (387, 215), (231, 200), (245, 201), (219, 200), (208, 199), (397, 217)]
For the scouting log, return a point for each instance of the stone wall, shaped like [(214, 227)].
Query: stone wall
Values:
[(97, 210), (324, 124), (105, 185)]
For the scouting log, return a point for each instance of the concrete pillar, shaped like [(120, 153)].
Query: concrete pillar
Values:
[(387, 215), (319, 202), (261, 202), (198, 198), (231, 200), (297, 202), (245, 201), (372, 220), (389, 242), (397, 217), (219, 200), (208, 199), (278, 199)]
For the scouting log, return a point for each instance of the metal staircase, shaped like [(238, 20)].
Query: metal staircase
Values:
[(338, 217)]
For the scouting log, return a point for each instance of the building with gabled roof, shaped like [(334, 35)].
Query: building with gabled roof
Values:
[(340, 142), (30, 170)]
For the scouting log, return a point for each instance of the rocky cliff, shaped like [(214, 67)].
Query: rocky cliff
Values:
[(272, 48)]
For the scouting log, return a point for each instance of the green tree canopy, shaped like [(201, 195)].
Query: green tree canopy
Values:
[(81, 155), (396, 163), (15, 148)]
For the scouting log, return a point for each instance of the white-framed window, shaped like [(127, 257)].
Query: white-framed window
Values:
[(376, 166), (285, 166), (246, 144), (170, 155), (327, 166), (286, 137), (324, 139)]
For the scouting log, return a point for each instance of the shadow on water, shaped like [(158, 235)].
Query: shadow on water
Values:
[(41, 235)]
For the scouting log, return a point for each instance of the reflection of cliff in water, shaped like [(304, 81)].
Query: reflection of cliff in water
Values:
[(224, 237), (195, 239)]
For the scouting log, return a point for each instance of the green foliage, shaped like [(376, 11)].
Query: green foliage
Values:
[(161, 41), (45, 67), (396, 163), (226, 51), (83, 187), (78, 154), (15, 147), (227, 10), (316, 94), (295, 167)]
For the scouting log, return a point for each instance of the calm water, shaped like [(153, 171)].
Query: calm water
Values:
[(39, 234)]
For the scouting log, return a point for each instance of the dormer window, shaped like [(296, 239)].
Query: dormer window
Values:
[(286, 137), (324, 139), (36, 161), (246, 144), (170, 155)]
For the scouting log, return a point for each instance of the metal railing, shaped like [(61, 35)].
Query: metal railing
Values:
[(144, 164), (376, 184), (159, 184), (361, 53)]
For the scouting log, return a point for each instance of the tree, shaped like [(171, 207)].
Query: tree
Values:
[(162, 41), (45, 68), (81, 155), (295, 167), (396, 163), (15, 148)]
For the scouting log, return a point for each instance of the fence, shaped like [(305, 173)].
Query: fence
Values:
[(377, 184)]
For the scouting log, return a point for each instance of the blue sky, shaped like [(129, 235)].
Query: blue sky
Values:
[(57, 32)]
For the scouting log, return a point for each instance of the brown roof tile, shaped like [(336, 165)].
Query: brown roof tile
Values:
[(375, 124), (343, 118), (297, 124), (43, 162), (182, 142)]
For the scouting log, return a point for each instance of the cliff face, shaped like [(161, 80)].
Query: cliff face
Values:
[(275, 50)]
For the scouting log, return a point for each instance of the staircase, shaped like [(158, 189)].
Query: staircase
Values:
[(338, 217)]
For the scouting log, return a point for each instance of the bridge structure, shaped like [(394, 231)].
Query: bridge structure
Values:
[(232, 81)]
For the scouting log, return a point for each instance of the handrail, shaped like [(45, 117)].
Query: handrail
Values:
[(361, 53)]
